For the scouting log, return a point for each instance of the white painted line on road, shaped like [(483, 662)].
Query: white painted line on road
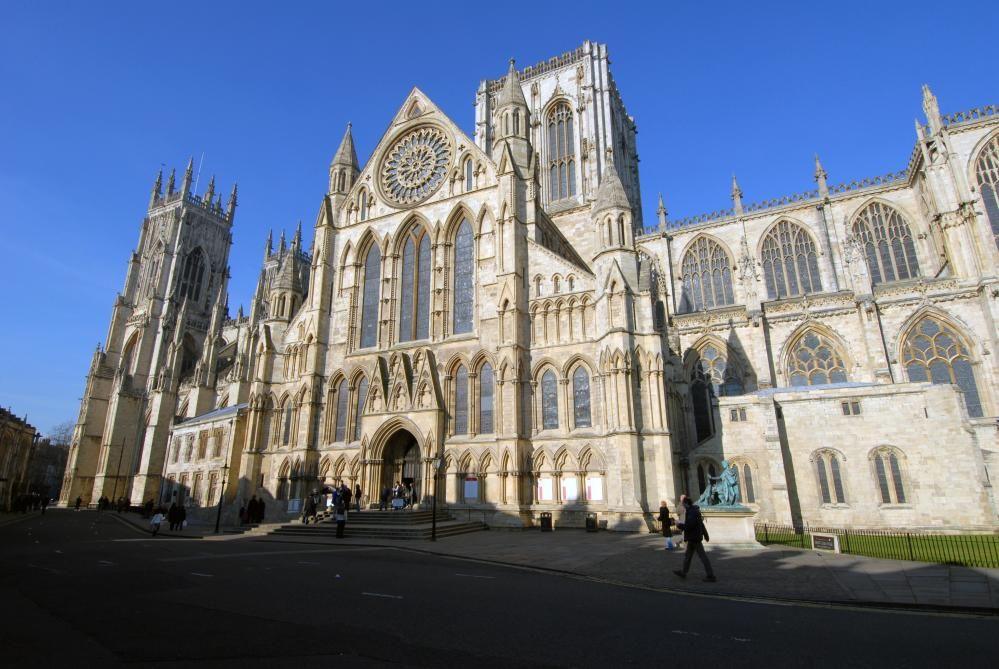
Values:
[(740, 639), (105, 563), (475, 576), (195, 573), (306, 562), (685, 632), (379, 594)]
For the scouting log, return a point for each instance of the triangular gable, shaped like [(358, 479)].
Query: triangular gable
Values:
[(426, 390), (377, 389)]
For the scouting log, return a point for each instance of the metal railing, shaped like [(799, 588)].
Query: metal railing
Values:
[(967, 550)]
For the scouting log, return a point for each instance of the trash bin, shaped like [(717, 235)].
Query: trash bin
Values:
[(591, 522), (546, 521)]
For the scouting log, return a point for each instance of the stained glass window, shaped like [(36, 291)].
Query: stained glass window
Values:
[(827, 466), (561, 153), (549, 401), (369, 308), (361, 394), (341, 411), (790, 262), (747, 484), (814, 361), (414, 318), (934, 352), (987, 173), (888, 472), (194, 271), (581, 398), (464, 278), (823, 482), (711, 376), (362, 202), (888, 244), (468, 175), (287, 423), (423, 289), (707, 277), (486, 399), (461, 401)]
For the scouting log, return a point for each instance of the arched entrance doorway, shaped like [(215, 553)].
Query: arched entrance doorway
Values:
[(401, 462)]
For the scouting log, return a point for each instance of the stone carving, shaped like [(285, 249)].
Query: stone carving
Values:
[(416, 166), (722, 490)]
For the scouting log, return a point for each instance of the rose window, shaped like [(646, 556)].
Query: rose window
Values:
[(416, 166)]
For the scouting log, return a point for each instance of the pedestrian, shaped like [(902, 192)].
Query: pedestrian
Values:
[(182, 517), (79, 501), (695, 533), (172, 516), (260, 510), (346, 495), (383, 499), (340, 516), (242, 515), (155, 521), (666, 522), (357, 496), (251, 510), (681, 513), (45, 504)]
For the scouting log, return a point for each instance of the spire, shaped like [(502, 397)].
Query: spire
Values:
[(188, 175), (345, 154), (343, 167), (231, 209), (610, 193), (820, 178), (281, 245), (210, 191), (932, 110), (661, 211), (736, 197), (172, 181), (157, 188), (511, 93), (269, 246), (296, 241)]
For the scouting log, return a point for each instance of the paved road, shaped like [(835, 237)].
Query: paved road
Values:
[(82, 587)]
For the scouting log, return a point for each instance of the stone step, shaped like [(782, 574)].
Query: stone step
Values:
[(445, 529)]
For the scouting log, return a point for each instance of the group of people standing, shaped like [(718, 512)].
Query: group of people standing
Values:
[(31, 501), (693, 533), (406, 492), (253, 512)]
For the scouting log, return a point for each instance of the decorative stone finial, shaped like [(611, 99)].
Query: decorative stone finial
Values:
[(736, 197), (820, 178)]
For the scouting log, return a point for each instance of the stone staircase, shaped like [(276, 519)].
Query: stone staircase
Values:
[(388, 525)]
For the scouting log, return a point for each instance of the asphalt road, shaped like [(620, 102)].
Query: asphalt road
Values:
[(83, 589)]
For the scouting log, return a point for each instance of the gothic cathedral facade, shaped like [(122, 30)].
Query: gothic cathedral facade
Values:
[(491, 320)]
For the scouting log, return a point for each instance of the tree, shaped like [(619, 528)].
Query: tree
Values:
[(62, 434)]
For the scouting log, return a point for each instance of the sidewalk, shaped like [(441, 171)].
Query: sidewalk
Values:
[(769, 573)]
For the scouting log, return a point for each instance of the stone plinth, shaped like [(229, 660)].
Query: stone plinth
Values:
[(731, 527)]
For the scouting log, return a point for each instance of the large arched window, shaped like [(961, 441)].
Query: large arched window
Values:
[(827, 469), (414, 314), (288, 411), (340, 433), (888, 245), (707, 276), (549, 401), (987, 174), (192, 276), (933, 352), (464, 278), (712, 375), (461, 400), (561, 153), (369, 299), (814, 360), (888, 474), (790, 262), (581, 398), (486, 399), (360, 395)]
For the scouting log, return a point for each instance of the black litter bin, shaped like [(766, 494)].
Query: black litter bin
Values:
[(591, 522), (546, 521)]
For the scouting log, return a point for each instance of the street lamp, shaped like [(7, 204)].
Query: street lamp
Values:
[(433, 507), (218, 515)]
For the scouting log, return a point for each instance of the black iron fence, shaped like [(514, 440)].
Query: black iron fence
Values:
[(968, 550)]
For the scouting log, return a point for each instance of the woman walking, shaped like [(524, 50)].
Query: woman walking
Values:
[(666, 523)]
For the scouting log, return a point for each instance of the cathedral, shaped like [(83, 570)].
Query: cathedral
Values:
[(492, 320)]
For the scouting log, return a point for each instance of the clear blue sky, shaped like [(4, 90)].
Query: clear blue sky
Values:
[(96, 96)]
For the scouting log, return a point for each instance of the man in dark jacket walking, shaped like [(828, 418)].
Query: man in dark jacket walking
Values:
[(694, 534)]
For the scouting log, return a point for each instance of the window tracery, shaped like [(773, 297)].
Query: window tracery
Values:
[(340, 433), (987, 174), (712, 375), (888, 474), (790, 262), (191, 279), (370, 296), (707, 276), (549, 401), (414, 311), (416, 165), (814, 360), (888, 244), (581, 398), (461, 400), (934, 352), (464, 278), (561, 153), (486, 399), (361, 394), (827, 467)]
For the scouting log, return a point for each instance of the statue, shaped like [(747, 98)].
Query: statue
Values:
[(722, 490)]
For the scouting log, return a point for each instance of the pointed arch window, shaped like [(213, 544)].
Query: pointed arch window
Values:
[(827, 468), (814, 360), (790, 262), (746, 490), (362, 205), (340, 433), (888, 244), (987, 174), (414, 316), (369, 298), (712, 375), (581, 398), (888, 474), (707, 276), (934, 352), (360, 395), (464, 278), (549, 401), (486, 399), (286, 436), (561, 153), (461, 400), (469, 175), (192, 276)]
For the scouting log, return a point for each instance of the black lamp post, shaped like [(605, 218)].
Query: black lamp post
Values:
[(433, 506), (218, 515)]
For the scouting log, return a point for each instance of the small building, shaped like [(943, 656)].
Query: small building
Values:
[(17, 437)]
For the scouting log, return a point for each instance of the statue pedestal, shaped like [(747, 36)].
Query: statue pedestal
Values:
[(730, 526)]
